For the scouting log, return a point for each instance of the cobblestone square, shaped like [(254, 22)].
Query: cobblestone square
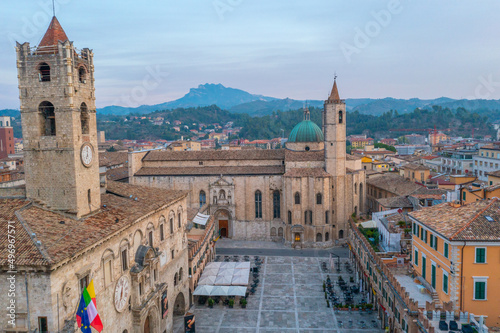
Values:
[(289, 298)]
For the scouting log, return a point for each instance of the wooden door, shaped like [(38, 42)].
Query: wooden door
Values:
[(146, 326), (223, 227)]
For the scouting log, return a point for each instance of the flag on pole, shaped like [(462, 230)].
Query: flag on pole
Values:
[(87, 315)]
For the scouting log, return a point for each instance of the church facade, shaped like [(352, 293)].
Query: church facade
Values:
[(302, 195), (68, 227)]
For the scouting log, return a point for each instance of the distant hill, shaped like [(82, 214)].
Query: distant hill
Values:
[(10, 113), (205, 95), (242, 102)]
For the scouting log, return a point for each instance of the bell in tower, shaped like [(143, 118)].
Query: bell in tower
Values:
[(56, 89)]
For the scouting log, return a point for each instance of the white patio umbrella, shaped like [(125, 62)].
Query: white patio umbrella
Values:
[(227, 265), (223, 280), (203, 290), (237, 291), (226, 271), (204, 280), (241, 272), (220, 291), (210, 271), (240, 280), (213, 265), (243, 265)]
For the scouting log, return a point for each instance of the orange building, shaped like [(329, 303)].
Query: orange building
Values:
[(456, 253)]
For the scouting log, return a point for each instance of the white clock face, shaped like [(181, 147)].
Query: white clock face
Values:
[(87, 154), (122, 293)]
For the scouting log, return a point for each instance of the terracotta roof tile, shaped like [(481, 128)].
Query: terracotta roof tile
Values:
[(468, 222), (211, 170), (211, 155), (63, 240), (414, 166), (393, 183), (113, 158), (26, 252), (53, 35), (307, 172)]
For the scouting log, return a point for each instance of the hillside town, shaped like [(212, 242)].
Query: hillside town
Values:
[(318, 231)]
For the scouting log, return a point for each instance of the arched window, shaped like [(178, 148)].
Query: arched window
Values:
[(355, 188), (273, 231), (355, 210), (341, 234), (276, 205), (319, 199), (308, 217), (258, 204), (84, 118), (203, 198), (179, 220), (180, 274), (48, 120), (326, 217), (340, 117), (297, 198), (171, 225), (175, 279), (327, 236), (361, 197), (82, 74), (319, 237), (44, 72), (289, 217), (280, 232)]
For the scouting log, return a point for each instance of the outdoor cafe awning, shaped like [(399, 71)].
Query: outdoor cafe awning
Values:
[(201, 219), (220, 291)]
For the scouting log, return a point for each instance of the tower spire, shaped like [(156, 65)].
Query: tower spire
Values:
[(307, 114), (334, 95)]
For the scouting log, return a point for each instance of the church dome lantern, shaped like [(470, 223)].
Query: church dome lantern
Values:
[(305, 135)]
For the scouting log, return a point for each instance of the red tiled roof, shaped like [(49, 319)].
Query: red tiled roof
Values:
[(63, 240), (468, 222), (211, 170), (307, 172), (26, 252), (54, 34)]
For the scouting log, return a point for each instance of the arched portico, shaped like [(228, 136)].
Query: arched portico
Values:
[(224, 222)]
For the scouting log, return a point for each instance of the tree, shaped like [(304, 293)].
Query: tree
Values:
[(386, 147)]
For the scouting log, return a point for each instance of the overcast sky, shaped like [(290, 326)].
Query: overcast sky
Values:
[(148, 52)]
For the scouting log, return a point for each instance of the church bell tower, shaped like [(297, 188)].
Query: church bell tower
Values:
[(58, 114), (334, 125)]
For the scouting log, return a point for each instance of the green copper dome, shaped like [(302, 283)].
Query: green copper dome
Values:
[(306, 131)]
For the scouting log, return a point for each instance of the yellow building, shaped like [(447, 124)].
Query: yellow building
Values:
[(455, 250), (494, 177), (473, 192), (361, 142), (415, 172)]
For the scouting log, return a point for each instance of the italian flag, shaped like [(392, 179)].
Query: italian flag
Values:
[(86, 314)]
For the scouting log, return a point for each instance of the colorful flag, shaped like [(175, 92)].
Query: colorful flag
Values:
[(86, 314)]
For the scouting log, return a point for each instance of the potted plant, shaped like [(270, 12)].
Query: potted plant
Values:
[(231, 303), (210, 303), (243, 303), (369, 306)]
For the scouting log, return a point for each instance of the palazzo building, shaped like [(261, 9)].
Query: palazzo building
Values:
[(68, 226), (301, 195)]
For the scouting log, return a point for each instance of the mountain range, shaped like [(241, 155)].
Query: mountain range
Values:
[(239, 101)]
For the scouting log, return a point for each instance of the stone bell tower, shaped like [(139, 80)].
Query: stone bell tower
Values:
[(334, 124), (56, 90)]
